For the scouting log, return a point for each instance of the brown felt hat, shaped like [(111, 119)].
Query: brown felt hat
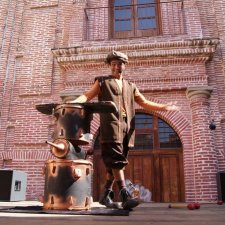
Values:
[(116, 55)]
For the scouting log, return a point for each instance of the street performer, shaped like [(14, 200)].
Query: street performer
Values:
[(117, 129)]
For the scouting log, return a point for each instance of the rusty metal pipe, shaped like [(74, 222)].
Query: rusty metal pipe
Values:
[(59, 146)]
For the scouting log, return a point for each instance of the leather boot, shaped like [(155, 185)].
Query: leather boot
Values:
[(128, 202), (106, 199)]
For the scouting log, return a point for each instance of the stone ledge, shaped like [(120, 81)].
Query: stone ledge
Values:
[(36, 4), (25, 155), (197, 50)]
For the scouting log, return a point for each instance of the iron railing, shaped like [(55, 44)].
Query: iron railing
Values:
[(98, 23)]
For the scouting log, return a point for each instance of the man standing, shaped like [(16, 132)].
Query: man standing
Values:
[(117, 129)]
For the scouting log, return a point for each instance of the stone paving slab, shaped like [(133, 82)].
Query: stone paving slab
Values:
[(144, 214)]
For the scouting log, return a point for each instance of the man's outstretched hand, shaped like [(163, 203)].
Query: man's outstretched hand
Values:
[(171, 106)]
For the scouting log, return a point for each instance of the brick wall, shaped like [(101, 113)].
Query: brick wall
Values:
[(163, 67)]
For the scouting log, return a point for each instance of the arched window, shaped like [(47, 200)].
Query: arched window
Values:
[(143, 131), (168, 138)]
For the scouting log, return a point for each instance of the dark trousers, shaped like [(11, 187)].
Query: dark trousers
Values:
[(114, 155)]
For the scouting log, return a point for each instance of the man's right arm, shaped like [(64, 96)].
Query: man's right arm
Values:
[(87, 96)]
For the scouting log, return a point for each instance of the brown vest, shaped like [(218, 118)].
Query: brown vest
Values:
[(111, 129)]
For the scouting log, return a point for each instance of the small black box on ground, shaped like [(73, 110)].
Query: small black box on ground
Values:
[(221, 185), (13, 185)]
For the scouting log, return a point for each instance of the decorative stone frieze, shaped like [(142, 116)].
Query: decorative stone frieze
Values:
[(186, 51)]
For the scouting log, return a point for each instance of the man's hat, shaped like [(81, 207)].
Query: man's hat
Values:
[(116, 55)]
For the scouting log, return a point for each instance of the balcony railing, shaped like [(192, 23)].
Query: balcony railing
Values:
[(100, 22)]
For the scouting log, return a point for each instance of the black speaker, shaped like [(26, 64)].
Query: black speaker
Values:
[(221, 185), (13, 185)]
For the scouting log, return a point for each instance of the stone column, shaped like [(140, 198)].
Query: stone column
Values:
[(204, 154)]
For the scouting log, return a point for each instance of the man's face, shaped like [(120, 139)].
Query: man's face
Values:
[(117, 67)]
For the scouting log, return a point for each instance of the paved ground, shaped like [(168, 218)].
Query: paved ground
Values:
[(144, 214)]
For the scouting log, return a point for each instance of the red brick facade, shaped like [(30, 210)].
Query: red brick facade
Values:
[(44, 55)]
